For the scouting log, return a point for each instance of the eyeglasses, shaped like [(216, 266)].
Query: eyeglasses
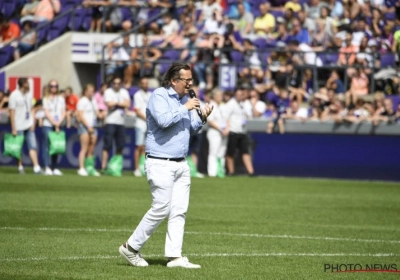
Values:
[(54, 86), (114, 83), (187, 81)]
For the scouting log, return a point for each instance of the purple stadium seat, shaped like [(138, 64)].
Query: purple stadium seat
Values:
[(132, 90), (76, 19), (329, 58), (387, 60), (390, 16), (277, 14), (171, 54), (260, 43), (87, 19), (6, 55), (41, 34), (126, 14), (8, 7), (237, 56), (57, 28)]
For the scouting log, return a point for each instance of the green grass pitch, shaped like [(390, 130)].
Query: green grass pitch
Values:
[(70, 227)]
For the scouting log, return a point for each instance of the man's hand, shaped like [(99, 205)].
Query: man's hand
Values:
[(207, 110), (14, 132), (193, 103), (57, 129), (90, 130)]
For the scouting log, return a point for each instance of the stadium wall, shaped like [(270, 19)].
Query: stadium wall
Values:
[(51, 61), (367, 157)]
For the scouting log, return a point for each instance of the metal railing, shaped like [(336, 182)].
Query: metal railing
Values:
[(134, 30), (316, 70)]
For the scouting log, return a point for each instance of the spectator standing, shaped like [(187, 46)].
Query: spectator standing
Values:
[(87, 113), (238, 138), (141, 99), (101, 105), (117, 100), (21, 118), (71, 100), (3, 101), (217, 135), (54, 109), (44, 11), (358, 86)]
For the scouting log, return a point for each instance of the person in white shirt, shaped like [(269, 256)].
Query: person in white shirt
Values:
[(21, 117), (217, 134), (140, 99), (253, 106), (55, 111), (304, 54), (87, 113), (238, 138), (117, 100)]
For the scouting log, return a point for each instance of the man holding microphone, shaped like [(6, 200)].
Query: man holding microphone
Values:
[(21, 118), (170, 121)]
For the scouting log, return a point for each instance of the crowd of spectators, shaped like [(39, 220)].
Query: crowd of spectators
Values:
[(301, 59)]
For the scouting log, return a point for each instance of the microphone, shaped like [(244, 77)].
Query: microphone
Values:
[(192, 94)]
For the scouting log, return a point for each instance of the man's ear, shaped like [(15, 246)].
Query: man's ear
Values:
[(173, 82)]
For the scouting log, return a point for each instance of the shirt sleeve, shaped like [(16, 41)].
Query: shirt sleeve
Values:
[(45, 104), (12, 102), (80, 106), (159, 109), (108, 96), (138, 101), (62, 103), (195, 122)]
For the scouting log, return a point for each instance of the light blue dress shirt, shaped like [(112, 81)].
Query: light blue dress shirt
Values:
[(169, 124)]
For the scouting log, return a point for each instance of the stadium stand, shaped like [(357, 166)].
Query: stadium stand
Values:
[(285, 50)]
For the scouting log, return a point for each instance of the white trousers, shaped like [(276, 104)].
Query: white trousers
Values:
[(217, 150), (170, 188)]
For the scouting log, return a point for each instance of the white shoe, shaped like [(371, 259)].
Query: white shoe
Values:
[(199, 175), (182, 262), (137, 173), (48, 172), (82, 172), (57, 172), (134, 259)]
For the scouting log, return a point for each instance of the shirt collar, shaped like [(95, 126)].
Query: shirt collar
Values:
[(173, 93)]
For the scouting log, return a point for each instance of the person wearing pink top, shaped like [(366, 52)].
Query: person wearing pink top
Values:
[(99, 99), (44, 11)]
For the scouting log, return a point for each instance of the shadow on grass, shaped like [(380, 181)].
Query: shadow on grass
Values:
[(152, 262)]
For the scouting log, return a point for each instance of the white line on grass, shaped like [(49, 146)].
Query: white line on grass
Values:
[(75, 258), (256, 235)]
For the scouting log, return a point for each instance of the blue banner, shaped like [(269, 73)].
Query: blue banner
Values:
[(369, 157)]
